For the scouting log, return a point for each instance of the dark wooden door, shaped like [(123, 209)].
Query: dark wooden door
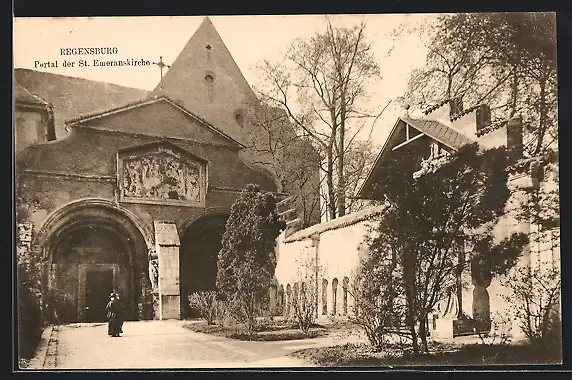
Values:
[(98, 286)]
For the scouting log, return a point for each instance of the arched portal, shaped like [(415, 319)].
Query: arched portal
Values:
[(92, 248), (201, 241)]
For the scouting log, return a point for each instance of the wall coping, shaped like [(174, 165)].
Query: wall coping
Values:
[(344, 221)]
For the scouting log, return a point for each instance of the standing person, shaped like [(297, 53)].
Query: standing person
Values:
[(119, 314), (114, 315)]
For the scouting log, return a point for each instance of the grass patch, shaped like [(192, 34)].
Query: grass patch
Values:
[(360, 355), (268, 331)]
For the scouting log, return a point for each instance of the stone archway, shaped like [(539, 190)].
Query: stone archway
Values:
[(201, 240), (90, 248)]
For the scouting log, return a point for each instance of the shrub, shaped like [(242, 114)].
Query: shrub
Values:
[(206, 304), (223, 314), (500, 332), (305, 312), (29, 319), (247, 260), (536, 299), (246, 310)]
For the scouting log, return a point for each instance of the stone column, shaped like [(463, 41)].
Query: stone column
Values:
[(287, 302), (481, 278), (273, 299), (167, 248), (518, 184), (317, 285)]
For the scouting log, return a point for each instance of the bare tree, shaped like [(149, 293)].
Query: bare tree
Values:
[(290, 156), (507, 60), (320, 84)]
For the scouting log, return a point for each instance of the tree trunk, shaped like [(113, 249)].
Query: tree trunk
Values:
[(410, 318), (341, 176), (449, 86), (514, 91), (423, 334), (330, 185), (410, 321), (542, 118)]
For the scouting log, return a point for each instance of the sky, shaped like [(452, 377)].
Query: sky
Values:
[(250, 40)]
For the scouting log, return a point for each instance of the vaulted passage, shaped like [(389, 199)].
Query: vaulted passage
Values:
[(200, 244), (91, 248), (89, 261)]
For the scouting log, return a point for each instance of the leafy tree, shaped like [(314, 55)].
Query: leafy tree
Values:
[(247, 260), (430, 221), (320, 85)]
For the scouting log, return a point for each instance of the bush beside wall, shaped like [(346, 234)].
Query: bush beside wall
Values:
[(29, 318)]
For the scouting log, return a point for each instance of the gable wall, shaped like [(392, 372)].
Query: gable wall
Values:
[(162, 119)]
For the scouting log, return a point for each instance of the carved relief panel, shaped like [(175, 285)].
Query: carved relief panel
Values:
[(161, 174)]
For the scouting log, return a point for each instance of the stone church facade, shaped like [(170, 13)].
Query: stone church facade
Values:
[(122, 189)]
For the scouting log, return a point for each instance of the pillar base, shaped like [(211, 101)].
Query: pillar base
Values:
[(443, 328), (170, 306), (156, 309)]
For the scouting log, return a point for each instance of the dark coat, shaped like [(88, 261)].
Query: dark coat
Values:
[(115, 316)]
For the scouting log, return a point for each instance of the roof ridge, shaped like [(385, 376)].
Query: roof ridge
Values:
[(22, 69), (37, 98), (467, 111), (436, 106)]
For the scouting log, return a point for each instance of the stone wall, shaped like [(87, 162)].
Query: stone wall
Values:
[(339, 244), (30, 129), (325, 255)]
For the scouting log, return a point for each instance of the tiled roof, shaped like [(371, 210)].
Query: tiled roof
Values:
[(436, 106), (343, 221), (465, 112), (72, 97), (440, 132), (432, 128), (22, 95)]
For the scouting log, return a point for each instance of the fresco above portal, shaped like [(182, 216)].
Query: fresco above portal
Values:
[(161, 176)]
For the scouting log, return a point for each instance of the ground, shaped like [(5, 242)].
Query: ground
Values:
[(457, 352), (268, 330), (172, 344), (165, 344)]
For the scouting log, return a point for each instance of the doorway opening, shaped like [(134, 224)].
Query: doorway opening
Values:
[(99, 283), (200, 245)]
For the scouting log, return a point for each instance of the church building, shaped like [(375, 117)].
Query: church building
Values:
[(129, 190)]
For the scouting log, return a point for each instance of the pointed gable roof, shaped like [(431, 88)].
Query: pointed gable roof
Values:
[(72, 96), (90, 118), (436, 130), (206, 80), (439, 132), (23, 96)]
